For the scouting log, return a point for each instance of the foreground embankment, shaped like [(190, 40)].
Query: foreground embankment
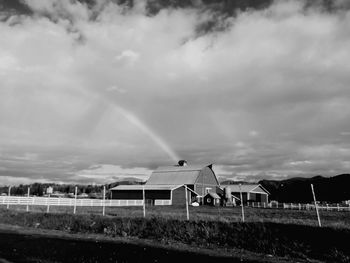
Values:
[(282, 240), (23, 245)]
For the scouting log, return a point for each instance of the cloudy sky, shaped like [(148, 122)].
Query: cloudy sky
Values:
[(96, 90)]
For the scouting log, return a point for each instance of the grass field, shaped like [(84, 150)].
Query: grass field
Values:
[(337, 219), (282, 233)]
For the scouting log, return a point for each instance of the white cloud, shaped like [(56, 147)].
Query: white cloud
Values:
[(82, 85), (128, 57), (253, 133), (117, 89), (297, 163)]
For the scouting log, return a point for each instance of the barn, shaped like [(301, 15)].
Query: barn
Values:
[(250, 192), (166, 185)]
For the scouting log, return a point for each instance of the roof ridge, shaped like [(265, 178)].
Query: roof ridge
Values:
[(178, 167)]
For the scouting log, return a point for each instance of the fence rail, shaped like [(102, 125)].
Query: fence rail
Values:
[(52, 201), (299, 206), (162, 202)]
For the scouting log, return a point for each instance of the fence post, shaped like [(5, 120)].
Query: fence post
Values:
[(75, 200), (187, 212), (28, 196), (8, 197), (299, 206), (144, 201), (104, 199), (338, 207), (318, 216), (48, 204), (240, 193)]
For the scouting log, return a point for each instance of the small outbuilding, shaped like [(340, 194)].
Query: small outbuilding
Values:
[(212, 199), (250, 192)]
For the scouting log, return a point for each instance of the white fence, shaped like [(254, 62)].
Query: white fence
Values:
[(162, 202), (53, 201), (299, 206)]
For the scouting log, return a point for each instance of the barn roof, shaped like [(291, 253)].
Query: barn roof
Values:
[(175, 175), (146, 187), (214, 195), (246, 188), (177, 168), (149, 187)]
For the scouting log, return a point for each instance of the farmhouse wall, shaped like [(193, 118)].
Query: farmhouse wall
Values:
[(254, 197), (179, 197), (264, 198)]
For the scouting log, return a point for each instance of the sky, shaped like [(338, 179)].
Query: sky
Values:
[(92, 92)]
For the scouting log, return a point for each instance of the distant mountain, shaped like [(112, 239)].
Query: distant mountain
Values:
[(331, 189), (226, 182)]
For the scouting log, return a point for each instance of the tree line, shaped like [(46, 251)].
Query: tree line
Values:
[(39, 189)]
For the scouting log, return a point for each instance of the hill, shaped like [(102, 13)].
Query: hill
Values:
[(330, 189), (227, 182)]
